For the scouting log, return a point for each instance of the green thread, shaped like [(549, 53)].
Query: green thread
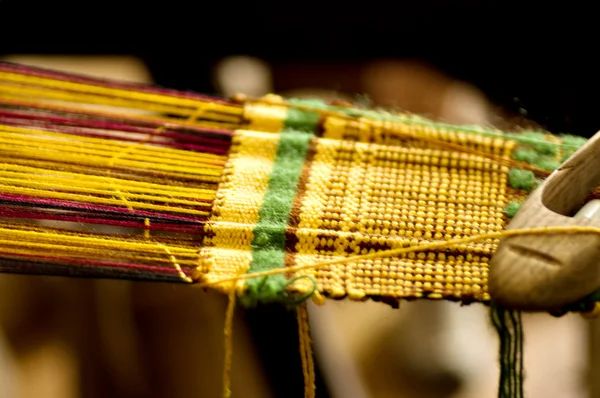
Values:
[(300, 121), (268, 244), (573, 140), (512, 208), (294, 301), (546, 163), (540, 144), (508, 324), (534, 139), (308, 102), (521, 179), (525, 155)]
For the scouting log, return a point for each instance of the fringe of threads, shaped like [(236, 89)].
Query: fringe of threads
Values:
[(508, 324)]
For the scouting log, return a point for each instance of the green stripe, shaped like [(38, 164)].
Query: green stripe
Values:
[(536, 138), (268, 244)]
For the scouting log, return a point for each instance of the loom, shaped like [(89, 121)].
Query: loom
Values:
[(263, 199)]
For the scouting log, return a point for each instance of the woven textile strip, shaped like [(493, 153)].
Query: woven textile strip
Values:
[(204, 189), (355, 196)]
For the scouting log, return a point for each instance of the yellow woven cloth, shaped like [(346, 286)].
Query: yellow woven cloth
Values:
[(216, 189), (268, 199), (368, 185)]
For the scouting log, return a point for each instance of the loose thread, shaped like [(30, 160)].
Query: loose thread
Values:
[(228, 333), (404, 250), (508, 324), (306, 354), (175, 263), (127, 150)]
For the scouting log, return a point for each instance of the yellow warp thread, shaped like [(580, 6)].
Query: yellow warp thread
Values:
[(123, 114), (147, 228), (20, 141), (32, 240), (228, 337), (48, 88), (69, 180), (306, 353)]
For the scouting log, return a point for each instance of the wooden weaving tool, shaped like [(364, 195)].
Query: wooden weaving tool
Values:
[(551, 272), (266, 200)]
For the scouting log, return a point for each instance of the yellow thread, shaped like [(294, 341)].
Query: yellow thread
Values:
[(74, 145), (421, 247), (226, 113), (64, 147), (268, 118), (200, 110), (74, 252), (112, 92), (80, 98), (147, 228), (306, 354), (228, 332), (97, 200), (182, 275), (57, 184), (317, 298), (84, 243), (214, 123), (124, 152), (113, 159)]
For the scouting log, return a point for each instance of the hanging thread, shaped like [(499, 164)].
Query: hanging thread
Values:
[(306, 353), (228, 338), (509, 327)]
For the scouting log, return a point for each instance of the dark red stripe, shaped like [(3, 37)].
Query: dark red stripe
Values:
[(93, 207), (97, 263), (115, 126), (154, 226)]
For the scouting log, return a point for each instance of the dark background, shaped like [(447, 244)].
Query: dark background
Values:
[(528, 58), (536, 56)]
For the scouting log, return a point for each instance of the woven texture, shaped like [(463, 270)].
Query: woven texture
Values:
[(355, 197), (106, 179)]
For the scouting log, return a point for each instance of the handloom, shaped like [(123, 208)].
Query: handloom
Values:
[(265, 200)]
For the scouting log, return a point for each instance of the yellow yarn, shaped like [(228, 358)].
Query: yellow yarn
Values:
[(306, 354), (228, 338), (389, 206)]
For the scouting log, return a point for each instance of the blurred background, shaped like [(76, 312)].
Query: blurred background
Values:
[(507, 64)]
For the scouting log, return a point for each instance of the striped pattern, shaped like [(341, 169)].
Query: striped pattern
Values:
[(108, 179), (228, 247)]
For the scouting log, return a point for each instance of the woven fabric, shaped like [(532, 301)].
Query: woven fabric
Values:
[(202, 189), (355, 197)]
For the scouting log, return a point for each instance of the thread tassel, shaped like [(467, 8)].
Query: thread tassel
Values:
[(306, 353), (228, 337), (508, 324)]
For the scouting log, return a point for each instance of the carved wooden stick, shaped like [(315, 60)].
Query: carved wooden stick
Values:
[(548, 272)]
